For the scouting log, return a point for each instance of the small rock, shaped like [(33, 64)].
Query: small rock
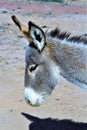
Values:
[(4, 11), (20, 100), (10, 31), (11, 110), (19, 7), (20, 36)]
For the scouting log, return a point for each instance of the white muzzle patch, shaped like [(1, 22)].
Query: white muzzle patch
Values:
[(33, 98)]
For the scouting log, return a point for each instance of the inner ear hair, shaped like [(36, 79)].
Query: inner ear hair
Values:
[(37, 35), (34, 25)]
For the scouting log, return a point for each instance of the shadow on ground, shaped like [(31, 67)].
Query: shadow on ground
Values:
[(53, 124)]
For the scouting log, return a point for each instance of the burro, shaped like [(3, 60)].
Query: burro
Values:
[(50, 55)]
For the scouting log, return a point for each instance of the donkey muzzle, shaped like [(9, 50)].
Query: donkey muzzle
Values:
[(33, 98)]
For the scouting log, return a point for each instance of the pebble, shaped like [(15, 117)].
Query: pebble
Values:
[(4, 11), (11, 110)]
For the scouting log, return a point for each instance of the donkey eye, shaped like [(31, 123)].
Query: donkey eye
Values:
[(32, 67)]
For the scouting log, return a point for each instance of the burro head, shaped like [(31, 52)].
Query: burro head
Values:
[(41, 72)]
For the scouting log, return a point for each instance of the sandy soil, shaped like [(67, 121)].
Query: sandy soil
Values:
[(67, 100)]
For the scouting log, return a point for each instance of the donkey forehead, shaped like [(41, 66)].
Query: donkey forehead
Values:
[(32, 55)]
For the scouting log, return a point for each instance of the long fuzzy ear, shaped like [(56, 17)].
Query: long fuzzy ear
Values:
[(23, 28), (37, 35)]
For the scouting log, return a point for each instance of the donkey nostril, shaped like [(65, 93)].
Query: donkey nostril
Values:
[(27, 100)]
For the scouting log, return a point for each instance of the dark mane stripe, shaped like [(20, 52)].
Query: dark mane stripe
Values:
[(65, 35)]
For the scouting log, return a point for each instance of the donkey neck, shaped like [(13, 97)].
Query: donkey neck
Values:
[(63, 45), (70, 54), (66, 51)]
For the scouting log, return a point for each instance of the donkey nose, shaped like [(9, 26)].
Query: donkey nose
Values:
[(33, 98), (27, 100), (32, 103)]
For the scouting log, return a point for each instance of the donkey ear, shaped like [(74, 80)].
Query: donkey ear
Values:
[(37, 35)]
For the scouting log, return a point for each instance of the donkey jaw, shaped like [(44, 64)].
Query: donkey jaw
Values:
[(33, 98)]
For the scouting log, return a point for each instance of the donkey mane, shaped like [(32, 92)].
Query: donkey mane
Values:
[(56, 33)]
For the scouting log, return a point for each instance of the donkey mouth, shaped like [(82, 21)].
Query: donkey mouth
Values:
[(38, 101), (33, 98), (31, 104)]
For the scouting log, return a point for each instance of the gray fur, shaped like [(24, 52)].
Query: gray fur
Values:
[(61, 56), (71, 57)]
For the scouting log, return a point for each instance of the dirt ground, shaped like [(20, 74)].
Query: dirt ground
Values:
[(67, 100)]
